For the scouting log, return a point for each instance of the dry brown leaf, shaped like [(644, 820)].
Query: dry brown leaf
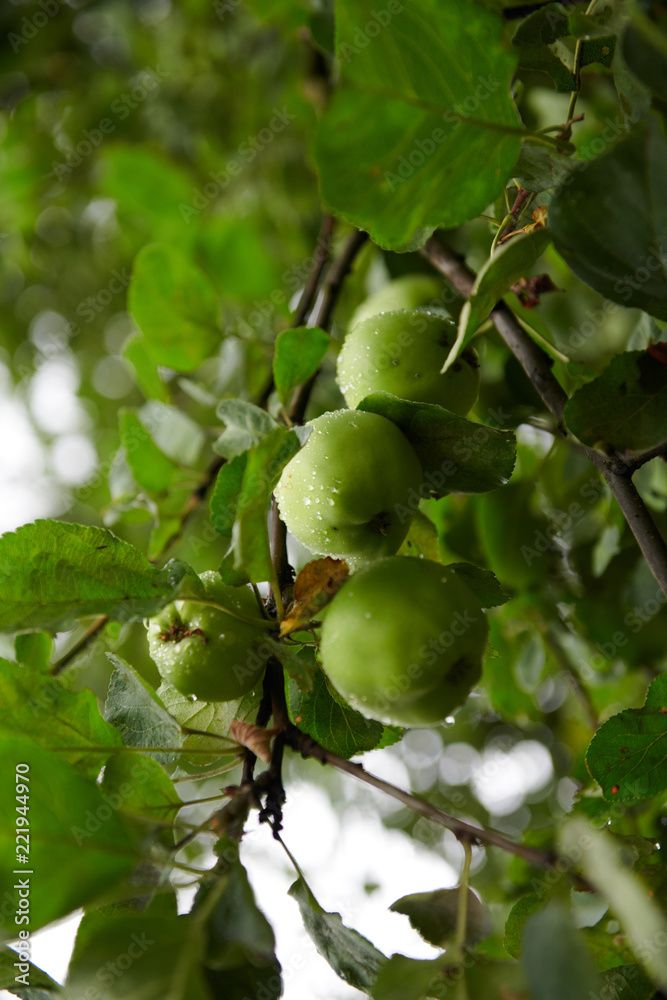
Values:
[(255, 738), (314, 587)]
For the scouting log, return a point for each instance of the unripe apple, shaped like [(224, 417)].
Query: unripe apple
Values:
[(403, 353), (410, 291), (345, 494), (403, 641), (207, 652)]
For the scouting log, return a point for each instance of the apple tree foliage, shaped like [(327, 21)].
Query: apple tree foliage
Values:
[(198, 201)]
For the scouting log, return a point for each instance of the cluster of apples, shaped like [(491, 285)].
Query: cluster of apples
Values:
[(403, 640)]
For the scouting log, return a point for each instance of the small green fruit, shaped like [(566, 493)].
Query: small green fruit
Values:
[(403, 352), (410, 291), (403, 641), (207, 652), (346, 493)]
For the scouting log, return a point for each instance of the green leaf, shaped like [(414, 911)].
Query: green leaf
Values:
[(213, 717), (538, 42), (334, 725), (52, 573), (175, 306), (298, 354), (625, 407), (242, 266), (225, 497), (299, 664), (511, 261), (176, 434), (31, 974), (41, 707), (482, 583), (516, 921), (241, 498), (639, 914), (421, 539), (133, 708), (540, 168), (72, 829), (614, 243), (350, 955), (248, 981), (237, 931), (556, 962), (434, 914), (403, 978), (515, 539), (147, 186), (626, 982), (457, 455), (440, 978), (421, 107), (150, 467), (144, 795), (645, 49), (628, 754), (245, 426), (144, 368), (34, 649), (137, 957)]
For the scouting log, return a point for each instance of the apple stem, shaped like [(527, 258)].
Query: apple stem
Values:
[(462, 911)]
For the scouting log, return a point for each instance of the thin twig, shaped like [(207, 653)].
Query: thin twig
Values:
[(310, 289), (509, 222), (333, 284), (78, 647), (577, 687), (307, 747), (565, 134), (322, 251), (636, 462), (537, 366)]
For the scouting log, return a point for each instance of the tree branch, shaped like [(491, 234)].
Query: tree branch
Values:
[(333, 284), (78, 647), (307, 747), (537, 366), (308, 296)]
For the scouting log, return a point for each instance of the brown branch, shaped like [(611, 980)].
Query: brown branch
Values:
[(537, 366), (522, 197), (333, 284), (636, 461), (307, 299), (308, 295), (307, 747)]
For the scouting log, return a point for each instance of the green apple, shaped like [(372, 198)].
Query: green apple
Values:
[(403, 641), (403, 353), (207, 652), (345, 494), (410, 291)]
